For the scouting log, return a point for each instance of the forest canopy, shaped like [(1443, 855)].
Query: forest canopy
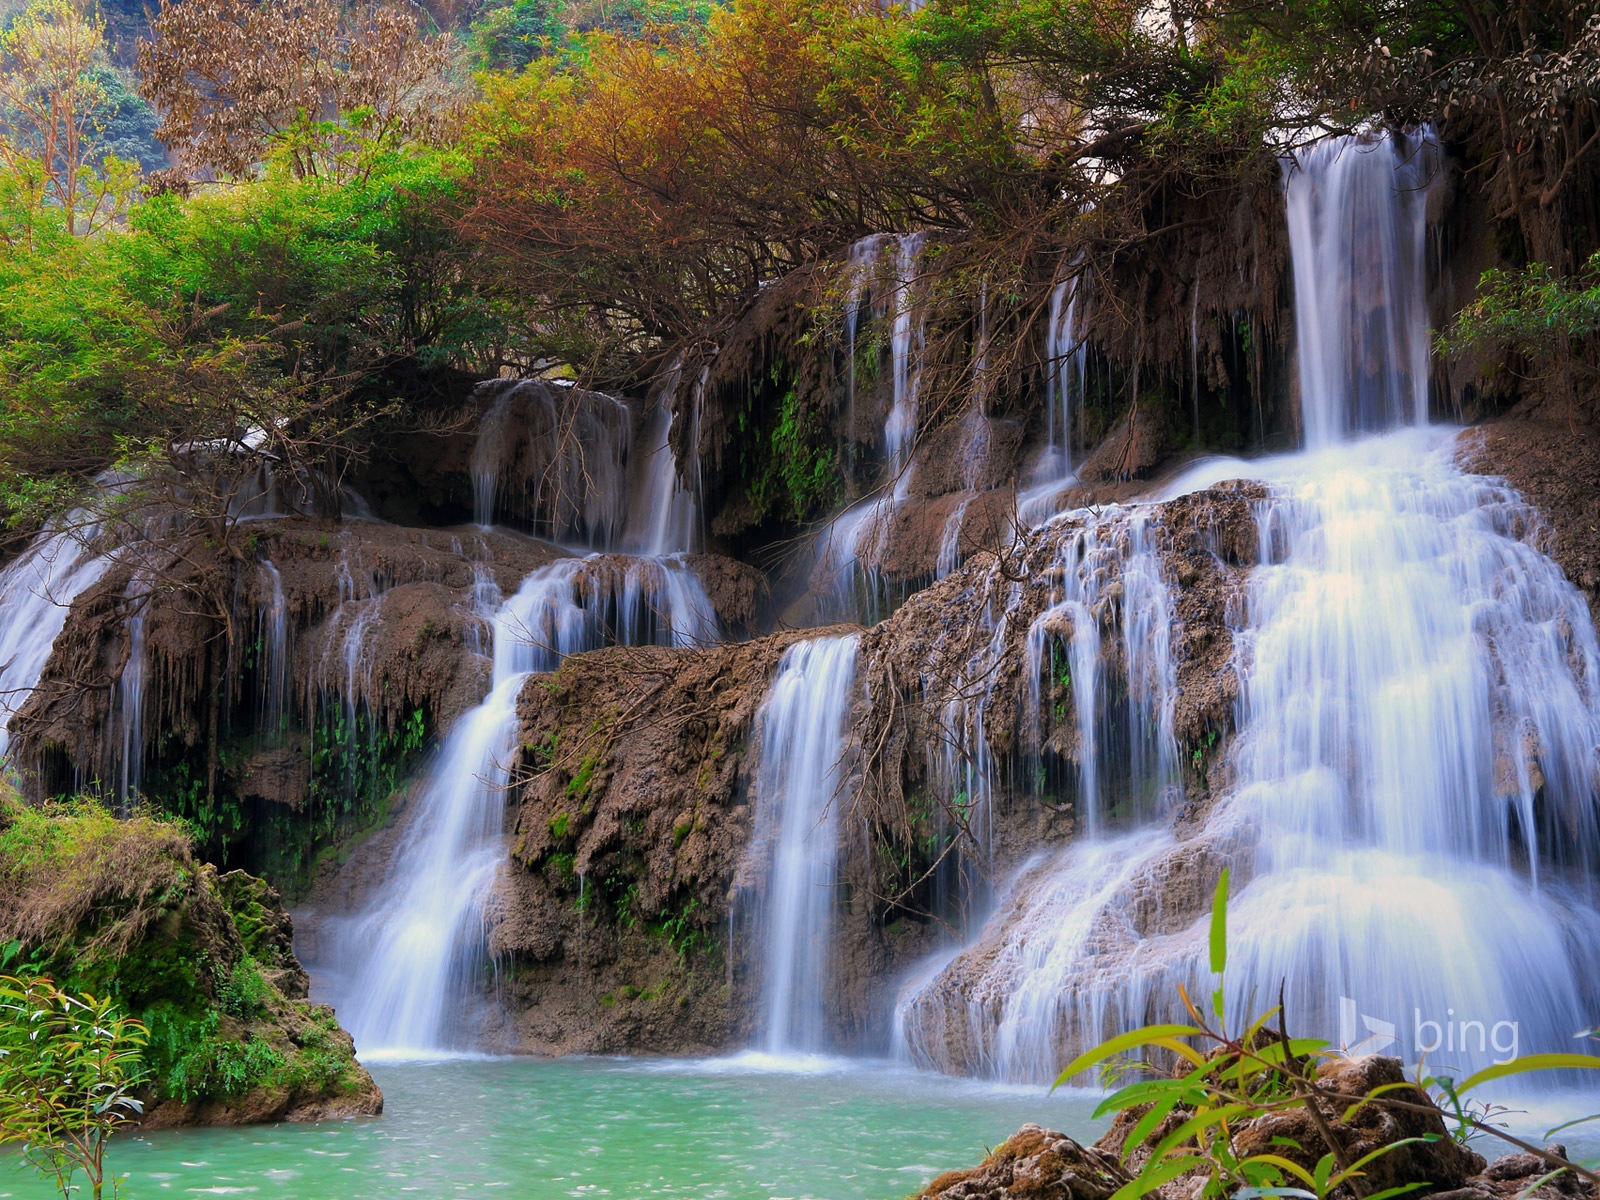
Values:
[(356, 198)]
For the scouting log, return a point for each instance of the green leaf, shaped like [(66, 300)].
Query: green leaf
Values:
[(1402, 1190), (1157, 1172), (1528, 1063), (1569, 1124), (1219, 925), (1118, 1044)]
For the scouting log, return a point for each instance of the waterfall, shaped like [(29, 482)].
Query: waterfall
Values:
[(420, 946), (1357, 212), (666, 519), (1110, 564), (272, 623), (555, 457), (906, 339), (803, 736), (860, 271), (850, 548), (36, 592), (128, 707), (1412, 815), (1003, 1012), (1066, 365)]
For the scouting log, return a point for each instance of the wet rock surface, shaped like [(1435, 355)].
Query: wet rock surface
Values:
[(1039, 1164), (1556, 466), (632, 812)]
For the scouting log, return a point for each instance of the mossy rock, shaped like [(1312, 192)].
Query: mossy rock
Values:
[(123, 907)]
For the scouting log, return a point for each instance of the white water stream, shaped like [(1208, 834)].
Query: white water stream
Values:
[(407, 972), (1412, 817), (798, 796), (36, 593)]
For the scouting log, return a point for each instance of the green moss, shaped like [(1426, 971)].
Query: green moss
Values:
[(583, 779), (128, 913), (792, 469)]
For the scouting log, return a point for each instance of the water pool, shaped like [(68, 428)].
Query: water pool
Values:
[(739, 1129)]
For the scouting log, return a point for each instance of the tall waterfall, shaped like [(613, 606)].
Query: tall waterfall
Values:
[(803, 727), (667, 517), (1357, 230), (850, 549), (405, 971), (1412, 812)]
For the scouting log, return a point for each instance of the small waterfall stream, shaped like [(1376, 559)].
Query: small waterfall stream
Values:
[(406, 971), (36, 592), (799, 793), (851, 547)]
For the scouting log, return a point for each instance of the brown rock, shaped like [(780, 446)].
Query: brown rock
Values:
[(1033, 1164)]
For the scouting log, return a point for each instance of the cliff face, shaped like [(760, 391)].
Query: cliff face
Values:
[(632, 814)]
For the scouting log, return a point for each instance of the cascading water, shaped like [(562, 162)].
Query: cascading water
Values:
[(272, 621), (128, 708), (1412, 818), (1066, 366), (1113, 551), (419, 948), (36, 593), (850, 548), (1066, 355), (1357, 212), (556, 457), (804, 724), (906, 335), (416, 952), (1006, 1018), (667, 518)]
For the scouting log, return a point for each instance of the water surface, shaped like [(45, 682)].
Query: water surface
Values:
[(731, 1129)]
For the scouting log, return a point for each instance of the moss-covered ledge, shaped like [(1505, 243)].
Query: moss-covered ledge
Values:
[(123, 908)]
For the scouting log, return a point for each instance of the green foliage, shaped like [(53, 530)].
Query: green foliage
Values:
[(1533, 311), (242, 993), (1186, 1120), (278, 302), (793, 470), (582, 781), (69, 1067), (510, 37), (681, 927), (137, 920), (127, 124), (192, 1058)]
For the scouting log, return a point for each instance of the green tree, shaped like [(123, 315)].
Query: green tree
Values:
[(511, 37), (53, 105), (69, 1066)]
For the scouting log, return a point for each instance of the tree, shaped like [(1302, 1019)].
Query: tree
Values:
[(511, 37), (322, 85), (69, 1066), (53, 103)]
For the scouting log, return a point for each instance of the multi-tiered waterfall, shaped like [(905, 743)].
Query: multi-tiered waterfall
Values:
[(405, 972), (1411, 814)]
